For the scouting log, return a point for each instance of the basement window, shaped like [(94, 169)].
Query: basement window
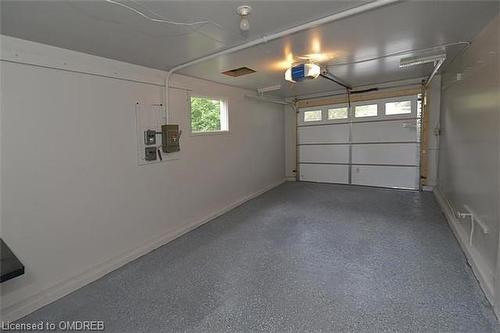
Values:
[(402, 107), (312, 115), (365, 111), (208, 115), (338, 113)]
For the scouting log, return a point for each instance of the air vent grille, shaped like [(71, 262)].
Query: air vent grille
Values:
[(239, 72)]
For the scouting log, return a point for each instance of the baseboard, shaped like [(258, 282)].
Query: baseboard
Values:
[(482, 272), (61, 289)]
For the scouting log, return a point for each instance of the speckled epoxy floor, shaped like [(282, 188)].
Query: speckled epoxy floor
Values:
[(301, 257)]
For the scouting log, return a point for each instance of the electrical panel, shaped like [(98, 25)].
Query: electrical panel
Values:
[(153, 136), (170, 135)]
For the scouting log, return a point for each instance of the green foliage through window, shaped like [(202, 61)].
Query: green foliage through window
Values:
[(205, 114)]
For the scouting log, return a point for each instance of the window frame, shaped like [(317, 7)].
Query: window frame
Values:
[(224, 109), (412, 107), (381, 108), (338, 106), (380, 102), (370, 103), (320, 110)]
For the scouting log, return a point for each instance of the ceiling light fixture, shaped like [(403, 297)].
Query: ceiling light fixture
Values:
[(244, 11), (419, 60)]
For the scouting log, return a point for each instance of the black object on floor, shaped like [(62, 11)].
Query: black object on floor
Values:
[(10, 266)]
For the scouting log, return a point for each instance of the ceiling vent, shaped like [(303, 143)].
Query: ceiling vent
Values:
[(239, 72)]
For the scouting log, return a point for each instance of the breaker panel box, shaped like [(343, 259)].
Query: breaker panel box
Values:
[(170, 135), (153, 137)]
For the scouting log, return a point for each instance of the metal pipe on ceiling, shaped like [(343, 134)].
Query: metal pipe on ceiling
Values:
[(267, 38)]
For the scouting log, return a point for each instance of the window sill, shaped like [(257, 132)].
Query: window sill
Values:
[(209, 133)]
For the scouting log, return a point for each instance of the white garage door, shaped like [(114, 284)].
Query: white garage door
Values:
[(373, 143)]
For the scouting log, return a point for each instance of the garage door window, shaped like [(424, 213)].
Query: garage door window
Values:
[(365, 111), (403, 107), (338, 113), (312, 115)]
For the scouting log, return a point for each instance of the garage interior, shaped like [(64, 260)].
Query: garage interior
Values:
[(229, 166)]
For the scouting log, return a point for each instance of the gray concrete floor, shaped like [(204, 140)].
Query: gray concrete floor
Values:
[(301, 257)]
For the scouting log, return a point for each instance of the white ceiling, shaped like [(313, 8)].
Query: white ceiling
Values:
[(105, 29)]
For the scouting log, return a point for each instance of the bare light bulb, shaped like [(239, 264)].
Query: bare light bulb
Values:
[(243, 11), (244, 24)]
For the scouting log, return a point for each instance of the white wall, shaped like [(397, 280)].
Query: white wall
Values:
[(75, 203), (469, 149)]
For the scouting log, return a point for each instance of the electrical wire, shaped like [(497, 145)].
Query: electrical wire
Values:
[(194, 26), (190, 30), (160, 19)]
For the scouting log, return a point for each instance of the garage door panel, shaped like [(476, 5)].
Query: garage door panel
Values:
[(324, 173), (385, 176), (338, 133), (386, 153), (385, 131), (382, 151), (324, 153)]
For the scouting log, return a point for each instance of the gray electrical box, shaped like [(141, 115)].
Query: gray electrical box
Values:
[(170, 135), (150, 153), (149, 137)]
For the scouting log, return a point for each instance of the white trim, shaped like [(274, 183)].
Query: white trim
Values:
[(63, 288), (209, 133), (481, 270)]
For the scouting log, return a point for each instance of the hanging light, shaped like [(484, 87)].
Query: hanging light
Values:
[(243, 11)]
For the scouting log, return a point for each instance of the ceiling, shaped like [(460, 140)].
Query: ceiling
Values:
[(383, 35)]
